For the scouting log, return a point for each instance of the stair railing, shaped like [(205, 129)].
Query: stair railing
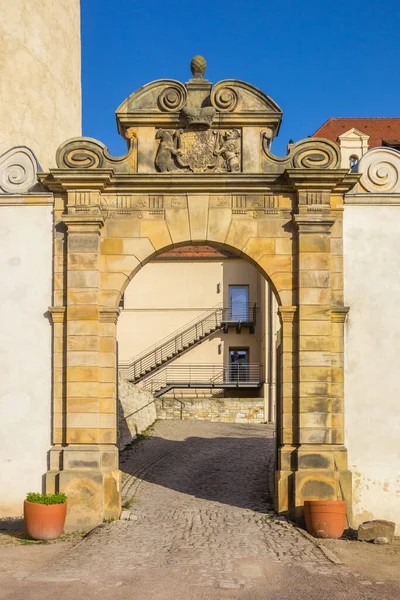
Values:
[(205, 375), (174, 343)]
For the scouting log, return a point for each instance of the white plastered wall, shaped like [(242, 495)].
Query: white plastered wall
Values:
[(372, 350), (25, 351)]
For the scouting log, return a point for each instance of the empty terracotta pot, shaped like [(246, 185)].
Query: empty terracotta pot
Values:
[(325, 518), (44, 521)]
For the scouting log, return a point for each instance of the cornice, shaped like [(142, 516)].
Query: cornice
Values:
[(313, 223), (92, 221), (109, 314), (321, 179), (348, 182), (57, 313), (287, 314), (63, 180), (163, 183), (339, 314), (220, 121)]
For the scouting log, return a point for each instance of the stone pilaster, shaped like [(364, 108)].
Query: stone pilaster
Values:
[(108, 317), (321, 459), (85, 467), (338, 319), (315, 422), (287, 417), (83, 329), (58, 424)]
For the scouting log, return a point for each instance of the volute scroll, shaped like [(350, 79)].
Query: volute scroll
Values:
[(311, 153), (88, 153)]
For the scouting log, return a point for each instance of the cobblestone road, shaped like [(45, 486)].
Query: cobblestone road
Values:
[(198, 495)]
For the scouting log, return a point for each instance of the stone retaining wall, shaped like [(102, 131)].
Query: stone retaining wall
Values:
[(226, 410), (136, 411)]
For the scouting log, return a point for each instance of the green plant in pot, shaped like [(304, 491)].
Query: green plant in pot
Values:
[(44, 515)]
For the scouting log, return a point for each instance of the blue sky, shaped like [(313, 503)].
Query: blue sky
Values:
[(315, 58)]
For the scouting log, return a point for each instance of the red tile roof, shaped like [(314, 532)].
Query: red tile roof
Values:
[(199, 252), (378, 128)]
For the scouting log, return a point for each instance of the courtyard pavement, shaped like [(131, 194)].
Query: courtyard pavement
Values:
[(198, 496)]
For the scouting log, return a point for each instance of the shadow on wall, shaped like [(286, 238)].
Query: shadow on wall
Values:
[(136, 411), (237, 471)]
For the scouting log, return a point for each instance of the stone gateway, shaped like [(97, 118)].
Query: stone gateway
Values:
[(309, 240), (198, 170)]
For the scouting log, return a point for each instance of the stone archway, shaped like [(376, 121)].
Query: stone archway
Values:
[(114, 215)]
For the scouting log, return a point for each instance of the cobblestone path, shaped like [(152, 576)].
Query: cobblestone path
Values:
[(199, 494)]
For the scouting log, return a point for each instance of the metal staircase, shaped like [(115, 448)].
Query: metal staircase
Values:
[(203, 376), (173, 345), (186, 337)]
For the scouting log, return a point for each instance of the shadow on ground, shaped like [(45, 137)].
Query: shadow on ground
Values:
[(237, 470)]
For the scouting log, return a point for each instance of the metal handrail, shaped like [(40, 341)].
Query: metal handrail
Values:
[(190, 374), (181, 339), (173, 343)]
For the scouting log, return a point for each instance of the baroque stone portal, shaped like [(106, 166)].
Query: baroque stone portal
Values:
[(198, 169)]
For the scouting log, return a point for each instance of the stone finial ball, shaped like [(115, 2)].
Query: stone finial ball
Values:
[(198, 66)]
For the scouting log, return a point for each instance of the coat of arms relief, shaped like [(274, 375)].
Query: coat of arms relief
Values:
[(199, 151)]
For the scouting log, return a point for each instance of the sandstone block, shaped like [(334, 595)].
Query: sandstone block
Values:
[(371, 530)]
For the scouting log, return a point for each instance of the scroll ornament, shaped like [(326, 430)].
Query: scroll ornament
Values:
[(380, 168), (173, 98), (18, 170), (224, 98), (311, 153), (88, 153)]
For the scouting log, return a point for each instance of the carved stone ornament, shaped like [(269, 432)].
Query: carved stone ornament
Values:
[(88, 153), (224, 98), (18, 170), (311, 153), (198, 66), (172, 98), (193, 151), (380, 168), (200, 118), (167, 152)]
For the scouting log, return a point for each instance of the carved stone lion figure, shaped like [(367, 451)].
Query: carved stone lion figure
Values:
[(167, 151), (230, 150)]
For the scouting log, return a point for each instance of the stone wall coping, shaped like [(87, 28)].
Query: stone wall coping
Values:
[(42, 199), (372, 199)]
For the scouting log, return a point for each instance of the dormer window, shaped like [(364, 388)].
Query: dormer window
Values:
[(353, 160)]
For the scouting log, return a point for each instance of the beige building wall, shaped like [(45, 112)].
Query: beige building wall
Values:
[(40, 67), (166, 295), (25, 349)]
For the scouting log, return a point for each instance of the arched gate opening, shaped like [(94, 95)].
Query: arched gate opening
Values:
[(210, 179)]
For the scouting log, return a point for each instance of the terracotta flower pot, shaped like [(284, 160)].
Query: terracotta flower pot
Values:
[(44, 521), (325, 518)]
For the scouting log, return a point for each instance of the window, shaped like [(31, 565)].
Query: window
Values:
[(238, 302), (353, 160), (238, 364), (395, 144)]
